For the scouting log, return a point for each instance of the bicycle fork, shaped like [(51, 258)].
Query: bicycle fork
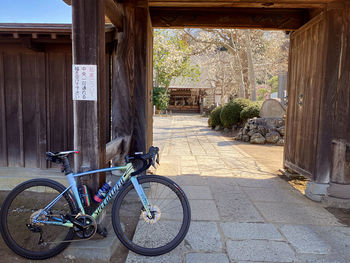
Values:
[(141, 195)]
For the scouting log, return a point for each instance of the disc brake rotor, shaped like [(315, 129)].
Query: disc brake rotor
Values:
[(156, 214)]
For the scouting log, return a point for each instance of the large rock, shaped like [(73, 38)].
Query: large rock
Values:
[(251, 132), (239, 137), (263, 129), (281, 130), (272, 108), (245, 138), (257, 138), (272, 137), (280, 142)]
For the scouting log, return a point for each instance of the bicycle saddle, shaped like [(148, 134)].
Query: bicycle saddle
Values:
[(55, 156)]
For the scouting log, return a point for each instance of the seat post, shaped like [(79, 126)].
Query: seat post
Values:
[(66, 165)]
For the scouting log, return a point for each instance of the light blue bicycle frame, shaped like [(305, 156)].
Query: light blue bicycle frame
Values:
[(128, 169)]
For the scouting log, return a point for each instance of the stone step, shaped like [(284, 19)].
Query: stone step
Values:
[(97, 249), (10, 177)]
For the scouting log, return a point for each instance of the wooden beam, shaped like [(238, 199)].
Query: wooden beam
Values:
[(241, 4), (282, 19), (114, 12), (117, 147), (89, 116)]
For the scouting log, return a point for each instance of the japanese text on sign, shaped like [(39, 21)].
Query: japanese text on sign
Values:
[(84, 82)]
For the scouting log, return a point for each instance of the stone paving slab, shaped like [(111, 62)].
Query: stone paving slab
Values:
[(206, 257), (259, 250), (304, 240), (204, 236), (190, 179), (246, 231), (197, 192), (235, 207), (174, 256), (204, 210), (296, 213), (223, 185), (275, 195)]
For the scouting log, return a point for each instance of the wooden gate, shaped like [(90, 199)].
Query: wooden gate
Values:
[(305, 85)]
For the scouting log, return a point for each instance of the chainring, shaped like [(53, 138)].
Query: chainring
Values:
[(89, 229)]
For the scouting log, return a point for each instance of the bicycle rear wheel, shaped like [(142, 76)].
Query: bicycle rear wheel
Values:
[(36, 241), (168, 225)]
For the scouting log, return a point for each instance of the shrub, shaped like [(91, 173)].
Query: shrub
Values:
[(230, 114), (241, 103), (251, 111), (214, 118), (161, 98)]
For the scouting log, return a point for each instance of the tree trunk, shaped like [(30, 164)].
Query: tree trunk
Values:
[(250, 68)]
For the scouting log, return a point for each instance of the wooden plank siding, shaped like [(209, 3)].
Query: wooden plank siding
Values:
[(35, 88), (318, 131), (36, 107), (304, 79)]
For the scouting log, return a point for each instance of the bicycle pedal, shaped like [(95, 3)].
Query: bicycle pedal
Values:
[(101, 231)]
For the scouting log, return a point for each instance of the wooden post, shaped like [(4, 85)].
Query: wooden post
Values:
[(123, 78), (89, 116), (142, 133)]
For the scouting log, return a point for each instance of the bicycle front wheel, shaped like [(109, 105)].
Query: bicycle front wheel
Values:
[(23, 203), (171, 216)]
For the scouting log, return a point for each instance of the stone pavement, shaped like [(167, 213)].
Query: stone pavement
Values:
[(241, 211)]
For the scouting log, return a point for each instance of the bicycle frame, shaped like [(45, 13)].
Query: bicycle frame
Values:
[(128, 169)]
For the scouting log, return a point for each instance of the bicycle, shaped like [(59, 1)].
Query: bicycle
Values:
[(40, 217)]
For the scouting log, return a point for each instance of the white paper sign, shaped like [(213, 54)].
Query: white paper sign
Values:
[(84, 82)]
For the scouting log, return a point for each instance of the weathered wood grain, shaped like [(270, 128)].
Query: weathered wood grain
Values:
[(3, 136), (89, 116), (283, 19), (239, 3), (122, 74), (305, 79), (142, 82)]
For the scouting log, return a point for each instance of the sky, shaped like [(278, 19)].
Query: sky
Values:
[(35, 11)]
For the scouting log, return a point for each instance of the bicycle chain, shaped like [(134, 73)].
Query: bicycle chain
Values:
[(72, 240)]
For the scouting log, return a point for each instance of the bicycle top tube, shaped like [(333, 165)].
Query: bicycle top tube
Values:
[(103, 170)]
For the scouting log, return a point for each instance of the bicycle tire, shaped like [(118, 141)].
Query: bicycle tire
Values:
[(23, 200), (129, 231)]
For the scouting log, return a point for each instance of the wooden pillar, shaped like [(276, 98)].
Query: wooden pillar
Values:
[(123, 78), (143, 130), (89, 116)]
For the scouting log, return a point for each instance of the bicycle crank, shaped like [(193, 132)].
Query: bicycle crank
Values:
[(85, 226)]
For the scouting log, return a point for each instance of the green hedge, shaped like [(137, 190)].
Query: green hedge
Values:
[(230, 114), (214, 118), (251, 111), (241, 103), (238, 111)]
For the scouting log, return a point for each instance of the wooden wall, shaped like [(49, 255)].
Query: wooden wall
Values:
[(36, 107), (36, 104), (319, 97)]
